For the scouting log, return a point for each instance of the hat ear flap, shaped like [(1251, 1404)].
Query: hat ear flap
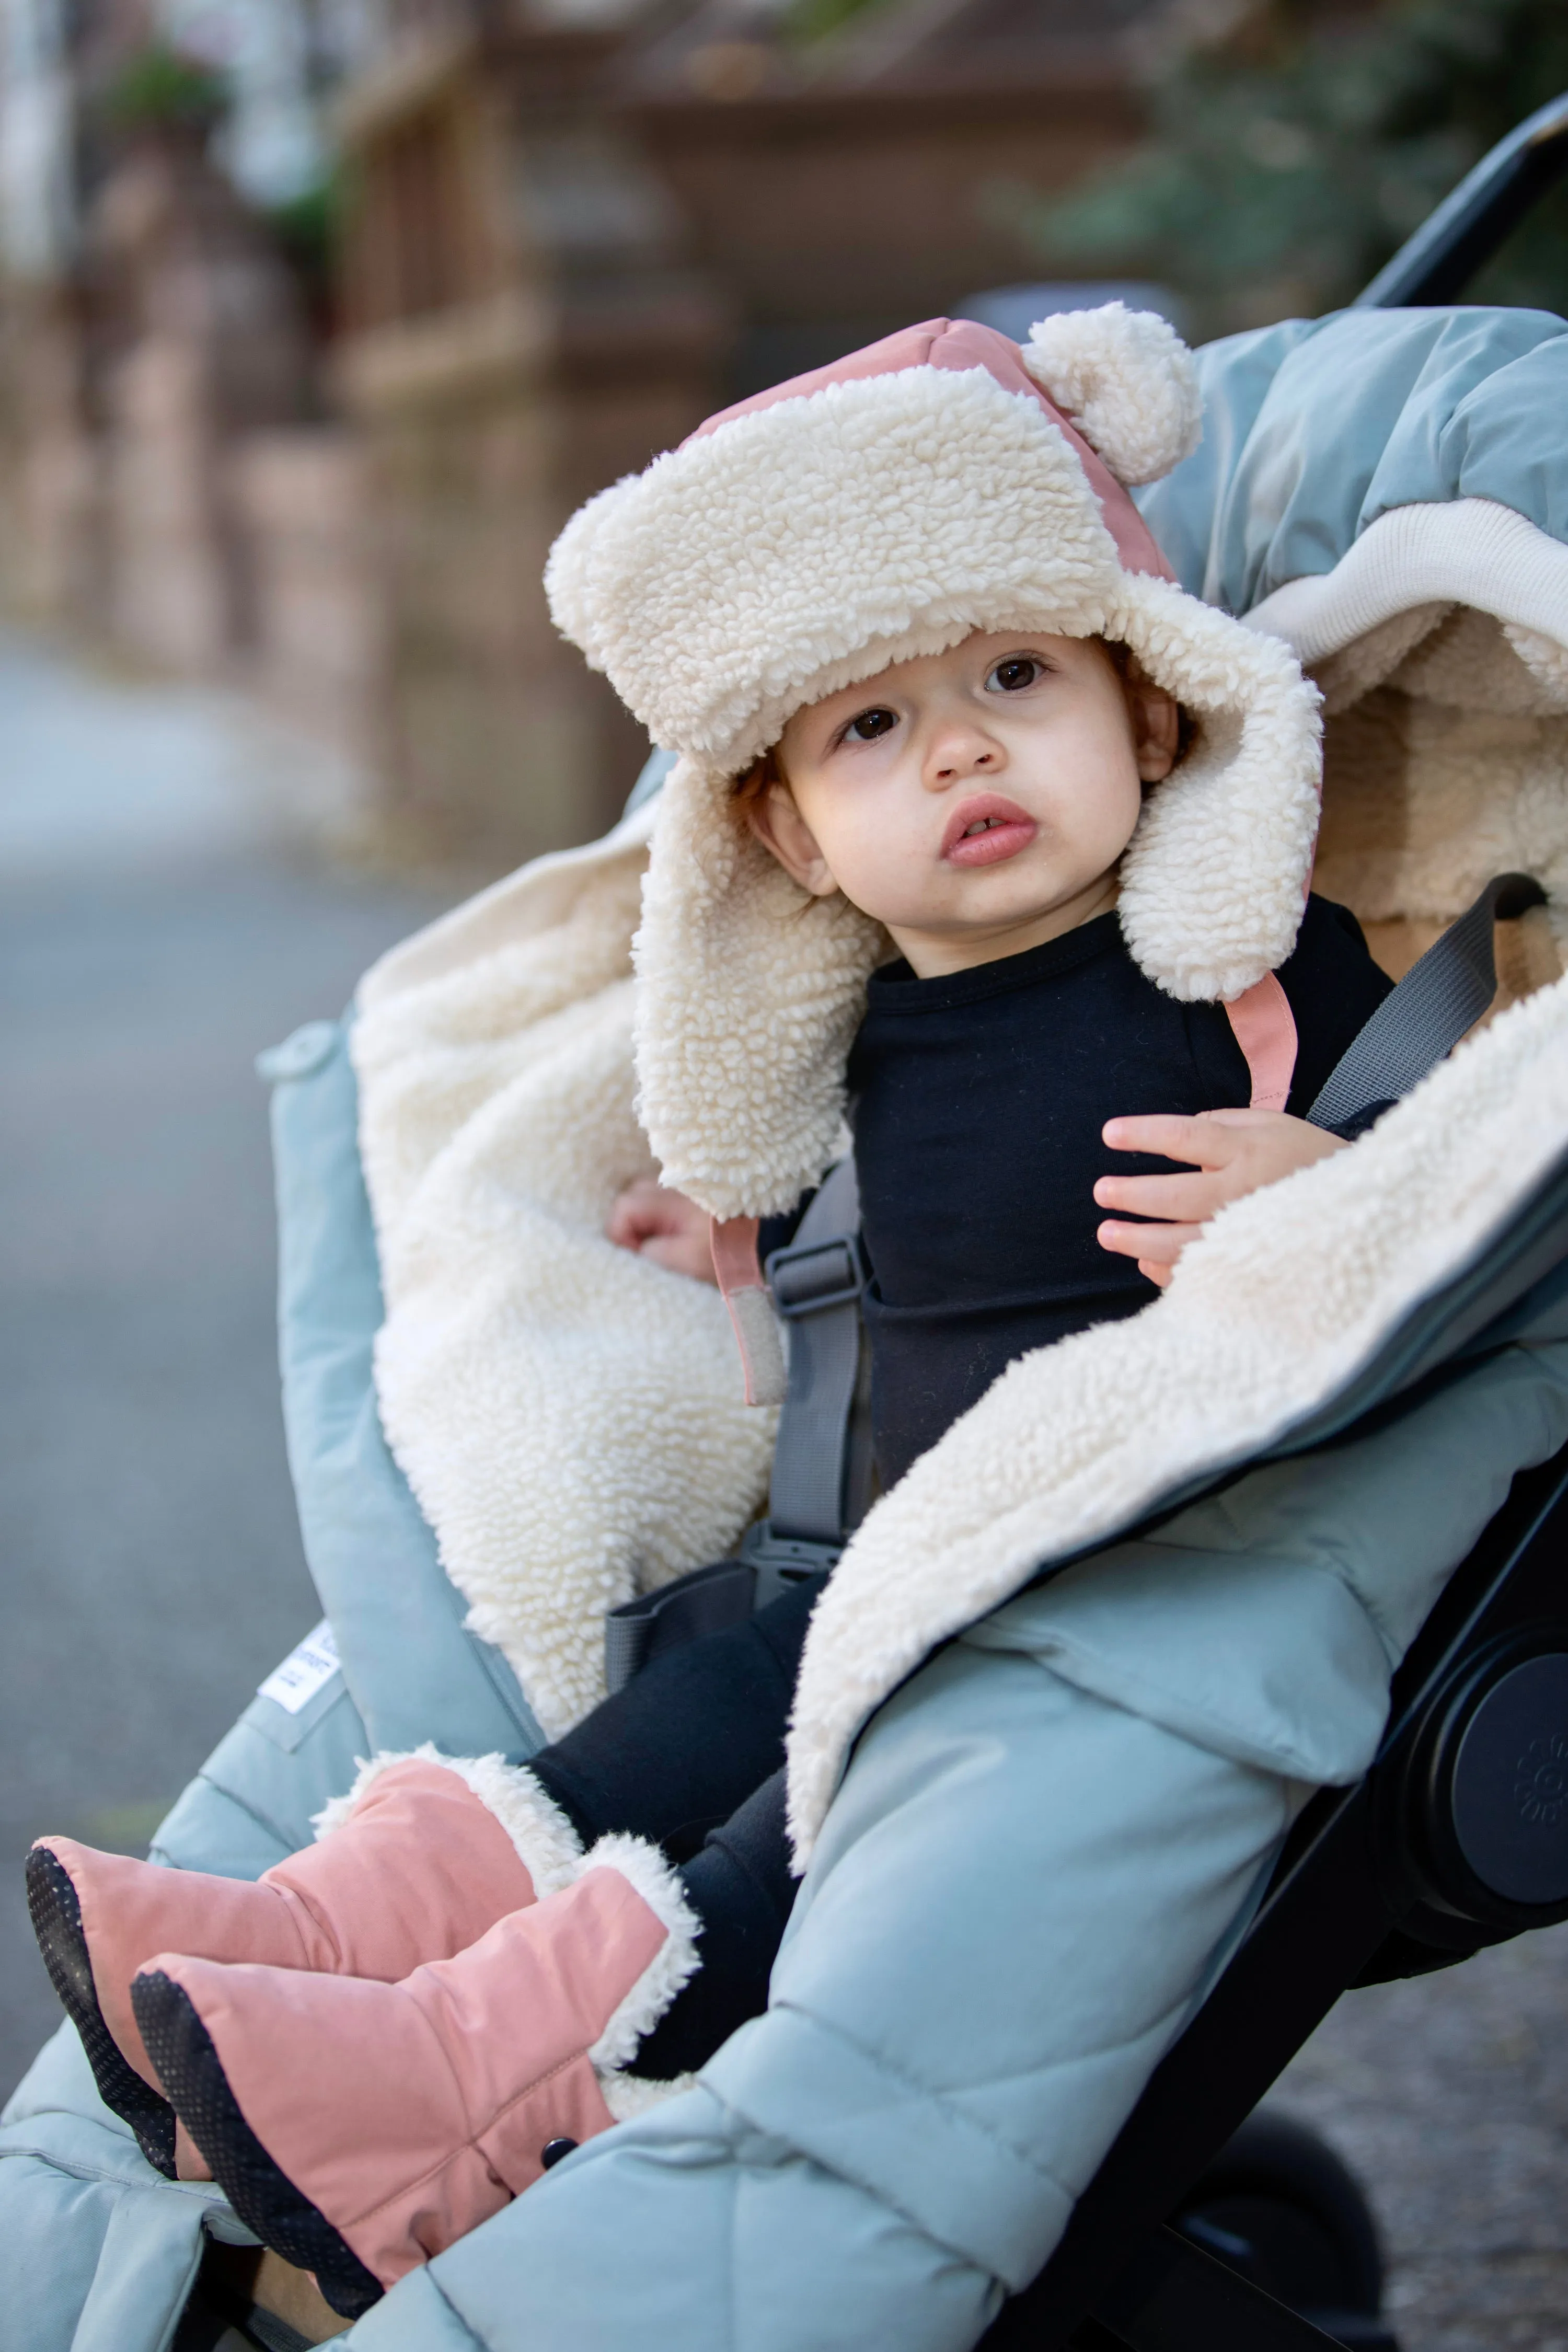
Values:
[(1127, 381)]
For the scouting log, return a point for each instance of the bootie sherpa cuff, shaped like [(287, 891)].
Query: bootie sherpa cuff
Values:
[(547, 1845)]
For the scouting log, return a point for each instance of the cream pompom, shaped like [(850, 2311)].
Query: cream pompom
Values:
[(1128, 383)]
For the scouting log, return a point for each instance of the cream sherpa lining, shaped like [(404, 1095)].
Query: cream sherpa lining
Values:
[(1286, 1296), (544, 1841), (750, 991), (650, 1876), (1439, 623), (570, 1417), (1472, 553), (1475, 663), (1213, 880), (1426, 803), (630, 2096), (749, 995)]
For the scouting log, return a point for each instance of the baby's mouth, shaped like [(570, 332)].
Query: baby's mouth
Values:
[(986, 830)]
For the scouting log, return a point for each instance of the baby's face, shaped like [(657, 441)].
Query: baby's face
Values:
[(976, 802)]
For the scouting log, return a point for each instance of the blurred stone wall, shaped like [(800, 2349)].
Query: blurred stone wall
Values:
[(171, 487), (521, 325), (300, 499), (142, 393), (841, 187)]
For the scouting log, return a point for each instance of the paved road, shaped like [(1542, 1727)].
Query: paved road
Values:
[(161, 919), (1449, 2097), (163, 916)]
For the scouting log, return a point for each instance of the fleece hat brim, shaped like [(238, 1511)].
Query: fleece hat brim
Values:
[(879, 511)]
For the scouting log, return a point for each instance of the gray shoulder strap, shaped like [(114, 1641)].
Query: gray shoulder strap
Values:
[(821, 1482), (1441, 996), (816, 1283)]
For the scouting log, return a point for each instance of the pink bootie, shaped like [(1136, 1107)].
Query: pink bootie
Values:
[(422, 1858), (359, 2128)]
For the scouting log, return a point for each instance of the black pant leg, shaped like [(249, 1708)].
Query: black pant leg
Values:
[(682, 1747), (740, 1888)]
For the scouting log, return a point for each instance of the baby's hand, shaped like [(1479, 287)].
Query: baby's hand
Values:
[(1236, 1152), (665, 1226)]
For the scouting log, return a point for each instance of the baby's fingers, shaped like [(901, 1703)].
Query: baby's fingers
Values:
[(646, 1208), (1153, 1247), (1189, 1199), (684, 1252), (1199, 1140), (628, 1225)]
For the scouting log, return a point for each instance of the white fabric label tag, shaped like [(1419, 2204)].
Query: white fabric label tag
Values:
[(304, 1671)]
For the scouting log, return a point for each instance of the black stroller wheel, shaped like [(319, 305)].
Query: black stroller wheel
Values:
[(1277, 2205)]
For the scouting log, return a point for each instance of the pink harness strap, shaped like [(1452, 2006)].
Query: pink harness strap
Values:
[(1265, 1029), (734, 1246)]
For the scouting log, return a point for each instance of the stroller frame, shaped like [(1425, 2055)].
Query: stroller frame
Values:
[(1380, 1880)]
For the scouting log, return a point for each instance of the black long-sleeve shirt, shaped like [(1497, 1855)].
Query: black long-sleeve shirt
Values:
[(981, 1098)]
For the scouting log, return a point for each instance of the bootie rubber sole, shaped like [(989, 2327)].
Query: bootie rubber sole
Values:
[(260, 2192), (57, 1922)]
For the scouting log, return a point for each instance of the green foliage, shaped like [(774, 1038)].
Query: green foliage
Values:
[(307, 226), (803, 22), (159, 87), (1290, 156)]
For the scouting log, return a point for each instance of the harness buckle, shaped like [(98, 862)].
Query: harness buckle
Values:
[(806, 1279)]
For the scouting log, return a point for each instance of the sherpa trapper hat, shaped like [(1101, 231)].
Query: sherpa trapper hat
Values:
[(942, 481)]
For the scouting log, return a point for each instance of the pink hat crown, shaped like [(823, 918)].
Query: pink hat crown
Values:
[(1124, 433)]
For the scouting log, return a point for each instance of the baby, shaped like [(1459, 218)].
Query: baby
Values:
[(977, 803), (934, 688)]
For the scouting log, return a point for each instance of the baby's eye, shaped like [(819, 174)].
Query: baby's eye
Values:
[(1012, 676), (869, 724)]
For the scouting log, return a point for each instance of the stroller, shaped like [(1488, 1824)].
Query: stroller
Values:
[(1193, 2227)]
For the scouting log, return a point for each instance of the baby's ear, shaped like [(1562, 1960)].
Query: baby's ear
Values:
[(1156, 727), (773, 819)]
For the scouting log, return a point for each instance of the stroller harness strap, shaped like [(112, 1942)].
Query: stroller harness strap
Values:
[(816, 1283), (821, 1461), (1442, 995), (1264, 1027), (733, 1240)]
